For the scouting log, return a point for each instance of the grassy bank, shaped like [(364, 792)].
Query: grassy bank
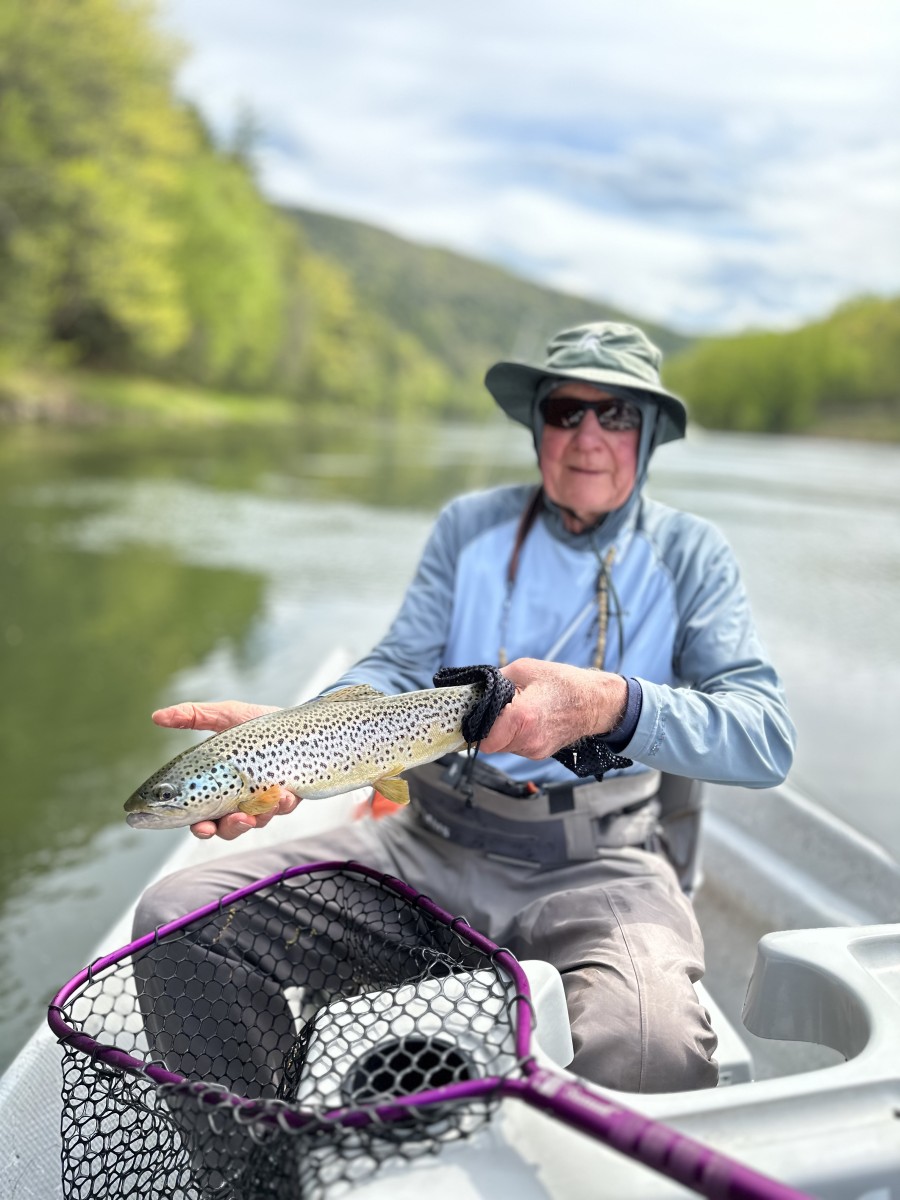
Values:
[(92, 398)]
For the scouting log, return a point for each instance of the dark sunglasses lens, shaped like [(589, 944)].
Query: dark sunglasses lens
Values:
[(619, 416), (563, 412)]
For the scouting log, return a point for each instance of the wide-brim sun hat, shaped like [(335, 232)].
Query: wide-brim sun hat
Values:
[(618, 358)]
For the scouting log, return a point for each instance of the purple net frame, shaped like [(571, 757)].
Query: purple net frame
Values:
[(651, 1143)]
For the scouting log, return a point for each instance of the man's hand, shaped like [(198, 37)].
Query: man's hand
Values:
[(554, 706), (219, 715)]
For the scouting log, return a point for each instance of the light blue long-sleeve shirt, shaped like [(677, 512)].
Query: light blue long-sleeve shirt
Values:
[(713, 707)]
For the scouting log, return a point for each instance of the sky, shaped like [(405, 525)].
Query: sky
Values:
[(712, 165)]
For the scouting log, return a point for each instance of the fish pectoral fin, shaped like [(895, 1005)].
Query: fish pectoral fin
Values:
[(261, 802), (355, 692), (393, 787)]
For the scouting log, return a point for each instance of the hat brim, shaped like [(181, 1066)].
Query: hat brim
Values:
[(514, 385)]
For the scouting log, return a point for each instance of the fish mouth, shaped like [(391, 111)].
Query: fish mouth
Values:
[(145, 814), (165, 819), (140, 805), (141, 820)]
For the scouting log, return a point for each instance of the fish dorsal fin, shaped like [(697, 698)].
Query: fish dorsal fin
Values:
[(356, 692)]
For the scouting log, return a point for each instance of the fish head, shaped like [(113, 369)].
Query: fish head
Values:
[(184, 792)]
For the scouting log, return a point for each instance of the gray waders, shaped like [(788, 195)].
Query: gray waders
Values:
[(575, 875)]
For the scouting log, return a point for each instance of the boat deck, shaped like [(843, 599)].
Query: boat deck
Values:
[(772, 861)]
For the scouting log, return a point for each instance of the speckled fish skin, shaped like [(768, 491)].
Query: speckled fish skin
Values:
[(345, 740)]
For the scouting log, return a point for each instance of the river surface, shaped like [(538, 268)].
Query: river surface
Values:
[(143, 568)]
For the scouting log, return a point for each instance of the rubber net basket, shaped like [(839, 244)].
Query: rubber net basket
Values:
[(258, 1046)]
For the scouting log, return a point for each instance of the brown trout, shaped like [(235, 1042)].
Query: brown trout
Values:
[(345, 740)]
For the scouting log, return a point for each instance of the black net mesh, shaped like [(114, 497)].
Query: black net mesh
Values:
[(320, 994)]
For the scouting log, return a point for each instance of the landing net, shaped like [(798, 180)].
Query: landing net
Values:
[(302, 1033), (245, 1050)]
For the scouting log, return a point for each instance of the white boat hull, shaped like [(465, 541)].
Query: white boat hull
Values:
[(832, 1131)]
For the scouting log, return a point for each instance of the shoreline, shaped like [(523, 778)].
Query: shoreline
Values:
[(60, 398)]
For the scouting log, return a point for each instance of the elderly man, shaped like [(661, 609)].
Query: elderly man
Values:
[(618, 617)]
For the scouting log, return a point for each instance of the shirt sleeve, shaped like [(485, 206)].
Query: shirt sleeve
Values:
[(621, 733), (728, 722)]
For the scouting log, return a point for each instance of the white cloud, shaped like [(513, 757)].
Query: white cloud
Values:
[(704, 164)]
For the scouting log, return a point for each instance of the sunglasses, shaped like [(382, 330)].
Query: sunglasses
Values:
[(565, 412)]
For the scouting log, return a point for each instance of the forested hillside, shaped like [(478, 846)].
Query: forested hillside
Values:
[(464, 312), (137, 254), (131, 244), (838, 376)]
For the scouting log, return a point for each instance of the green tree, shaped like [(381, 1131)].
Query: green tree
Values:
[(840, 374), (235, 259), (92, 146), (355, 355)]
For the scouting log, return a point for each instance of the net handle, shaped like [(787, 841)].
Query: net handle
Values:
[(651, 1143)]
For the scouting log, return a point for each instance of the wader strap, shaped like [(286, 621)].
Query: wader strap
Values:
[(565, 823), (526, 521)]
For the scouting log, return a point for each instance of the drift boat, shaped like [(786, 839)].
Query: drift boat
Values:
[(798, 912)]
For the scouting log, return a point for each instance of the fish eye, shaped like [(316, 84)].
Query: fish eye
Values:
[(164, 792)]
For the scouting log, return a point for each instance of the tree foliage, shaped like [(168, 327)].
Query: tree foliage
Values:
[(129, 240), (237, 267), (841, 374), (465, 313), (91, 148)]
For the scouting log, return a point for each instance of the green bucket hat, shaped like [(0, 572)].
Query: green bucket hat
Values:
[(618, 358)]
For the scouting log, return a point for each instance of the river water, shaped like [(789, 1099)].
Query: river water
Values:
[(142, 568)]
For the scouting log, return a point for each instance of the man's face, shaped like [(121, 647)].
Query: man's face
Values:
[(587, 470)]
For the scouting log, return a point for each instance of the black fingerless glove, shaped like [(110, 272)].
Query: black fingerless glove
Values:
[(589, 756)]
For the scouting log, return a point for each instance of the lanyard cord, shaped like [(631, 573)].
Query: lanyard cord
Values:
[(604, 587)]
